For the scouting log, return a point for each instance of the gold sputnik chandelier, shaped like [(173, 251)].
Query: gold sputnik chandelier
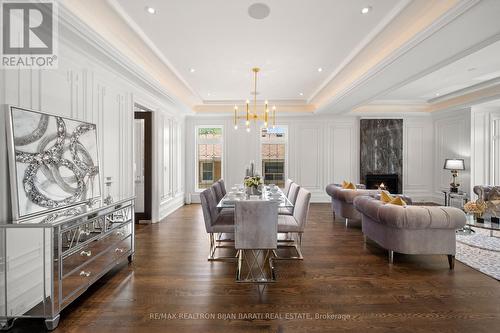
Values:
[(252, 114)]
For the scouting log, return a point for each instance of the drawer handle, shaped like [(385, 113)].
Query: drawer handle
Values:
[(118, 250), (86, 274), (86, 253)]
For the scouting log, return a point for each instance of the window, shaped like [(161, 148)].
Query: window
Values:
[(209, 155), (273, 155)]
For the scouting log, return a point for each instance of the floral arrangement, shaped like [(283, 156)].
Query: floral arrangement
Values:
[(475, 207), (253, 181)]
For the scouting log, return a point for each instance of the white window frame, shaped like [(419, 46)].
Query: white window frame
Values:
[(285, 141), (197, 162)]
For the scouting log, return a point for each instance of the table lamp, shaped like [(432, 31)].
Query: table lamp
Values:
[(454, 164)]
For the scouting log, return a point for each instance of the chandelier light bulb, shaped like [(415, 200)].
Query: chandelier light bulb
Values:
[(265, 124), (247, 122), (248, 129), (235, 127)]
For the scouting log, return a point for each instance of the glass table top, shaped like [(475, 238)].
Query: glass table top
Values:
[(487, 224), (232, 197)]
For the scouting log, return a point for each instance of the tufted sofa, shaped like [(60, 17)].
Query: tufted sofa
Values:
[(411, 229), (491, 197), (342, 201)]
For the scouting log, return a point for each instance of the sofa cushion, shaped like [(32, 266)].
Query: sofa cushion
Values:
[(398, 201), (386, 197)]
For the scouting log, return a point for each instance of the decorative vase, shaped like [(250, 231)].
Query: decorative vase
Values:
[(253, 190)]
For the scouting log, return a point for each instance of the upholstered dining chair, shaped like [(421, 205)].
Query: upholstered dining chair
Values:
[(292, 196), (222, 186), (215, 222), (218, 191), (255, 238), (296, 223), (288, 182)]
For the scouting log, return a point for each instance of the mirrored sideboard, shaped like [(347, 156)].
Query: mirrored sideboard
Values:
[(47, 262)]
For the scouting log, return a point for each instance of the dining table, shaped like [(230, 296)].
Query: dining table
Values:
[(273, 194)]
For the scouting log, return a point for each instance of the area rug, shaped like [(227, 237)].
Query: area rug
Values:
[(480, 251)]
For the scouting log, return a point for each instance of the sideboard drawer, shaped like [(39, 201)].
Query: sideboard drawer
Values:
[(94, 248), (77, 281)]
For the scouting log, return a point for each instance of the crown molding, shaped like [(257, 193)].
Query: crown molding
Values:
[(398, 52), (362, 45), (74, 24), (135, 27), (239, 102), (466, 90)]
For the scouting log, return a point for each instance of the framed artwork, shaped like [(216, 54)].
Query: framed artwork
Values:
[(53, 162)]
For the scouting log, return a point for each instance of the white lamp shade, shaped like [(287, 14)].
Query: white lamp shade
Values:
[(454, 164)]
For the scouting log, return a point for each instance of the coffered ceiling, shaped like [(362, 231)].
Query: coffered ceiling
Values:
[(315, 55), (214, 44), (479, 68)]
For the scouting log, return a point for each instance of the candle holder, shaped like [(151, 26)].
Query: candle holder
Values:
[(109, 199)]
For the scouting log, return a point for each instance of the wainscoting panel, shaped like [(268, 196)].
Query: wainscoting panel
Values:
[(452, 140), (418, 147)]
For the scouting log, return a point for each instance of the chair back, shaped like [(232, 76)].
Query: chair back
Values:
[(218, 191), (209, 208), (293, 192), (288, 182), (256, 225), (301, 209), (222, 186)]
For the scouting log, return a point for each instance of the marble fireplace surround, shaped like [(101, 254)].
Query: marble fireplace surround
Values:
[(381, 151)]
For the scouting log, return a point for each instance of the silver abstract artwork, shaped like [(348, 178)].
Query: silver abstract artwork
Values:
[(53, 162)]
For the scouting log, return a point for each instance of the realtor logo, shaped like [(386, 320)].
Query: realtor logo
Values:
[(29, 34)]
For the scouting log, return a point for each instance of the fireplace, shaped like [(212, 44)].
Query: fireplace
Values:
[(390, 181)]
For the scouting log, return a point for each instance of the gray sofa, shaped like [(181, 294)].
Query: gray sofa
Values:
[(411, 229), (342, 201)]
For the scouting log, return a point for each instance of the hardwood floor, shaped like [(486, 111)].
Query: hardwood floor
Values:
[(340, 275)]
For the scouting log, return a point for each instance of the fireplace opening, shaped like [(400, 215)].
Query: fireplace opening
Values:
[(390, 182)]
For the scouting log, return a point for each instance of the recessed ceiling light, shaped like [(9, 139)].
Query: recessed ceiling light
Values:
[(301, 94), (320, 69), (208, 94), (259, 11), (151, 10), (366, 10), (192, 70), (437, 94)]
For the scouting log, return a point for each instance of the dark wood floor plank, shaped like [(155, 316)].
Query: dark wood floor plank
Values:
[(340, 275)]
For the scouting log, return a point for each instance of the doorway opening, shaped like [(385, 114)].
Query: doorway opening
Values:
[(143, 172)]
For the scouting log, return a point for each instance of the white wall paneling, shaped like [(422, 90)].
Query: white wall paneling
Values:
[(452, 140), (484, 152), (418, 147), (321, 150), (94, 86)]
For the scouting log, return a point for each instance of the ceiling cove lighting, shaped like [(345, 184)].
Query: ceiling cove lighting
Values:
[(251, 113), (151, 10), (366, 10), (320, 69)]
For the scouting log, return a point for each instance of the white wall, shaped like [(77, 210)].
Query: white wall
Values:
[(95, 84), (483, 168), (92, 84), (452, 140), (322, 149)]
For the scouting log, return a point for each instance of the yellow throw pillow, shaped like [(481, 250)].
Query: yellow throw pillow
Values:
[(398, 201), (386, 197), (350, 186), (344, 184)]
